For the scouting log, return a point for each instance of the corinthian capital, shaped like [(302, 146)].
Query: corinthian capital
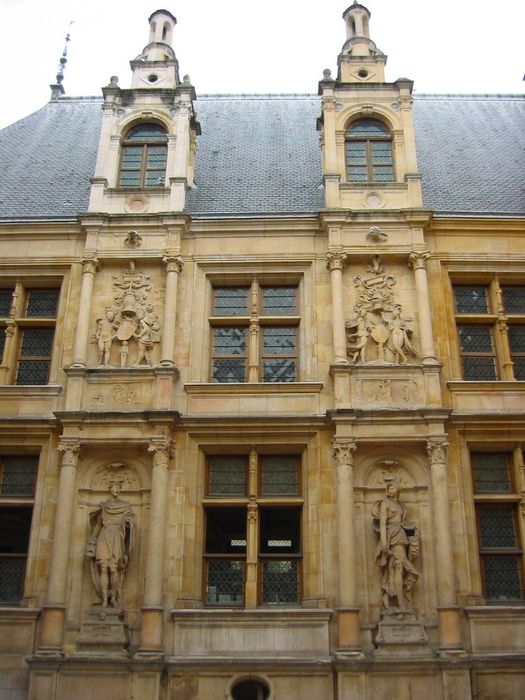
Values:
[(343, 452), (90, 264), (161, 450), (70, 449), (173, 263), (417, 260), (437, 450), (335, 260)]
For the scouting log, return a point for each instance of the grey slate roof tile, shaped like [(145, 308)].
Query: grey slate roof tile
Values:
[(260, 154)]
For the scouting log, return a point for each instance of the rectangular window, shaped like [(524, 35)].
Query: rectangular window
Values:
[(490, 351), (246, 498), (239, 314), (17, 485), (28, 317), (496, 502)]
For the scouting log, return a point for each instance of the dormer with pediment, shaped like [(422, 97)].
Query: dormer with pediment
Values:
[(146, 152), (369, 151)]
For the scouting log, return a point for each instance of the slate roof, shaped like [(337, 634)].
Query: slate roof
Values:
[(260, 154)]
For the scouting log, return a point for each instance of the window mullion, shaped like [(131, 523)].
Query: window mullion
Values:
[(252, 539), (253, 348)]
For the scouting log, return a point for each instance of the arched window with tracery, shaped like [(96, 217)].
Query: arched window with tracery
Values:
[(368, 145), (144, 155)]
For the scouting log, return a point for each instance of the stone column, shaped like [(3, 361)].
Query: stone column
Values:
[(349, 632), (151, 629), (502, 341), (51, 638), (7, 361), (417, 261), (253, 337), (448, 611), (174, 267), (335, 263), (252, 539), (90, 266)]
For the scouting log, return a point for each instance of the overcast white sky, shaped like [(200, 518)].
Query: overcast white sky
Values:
[(250, 46)]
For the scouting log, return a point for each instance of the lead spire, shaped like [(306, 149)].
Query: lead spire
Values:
[(57, 89)]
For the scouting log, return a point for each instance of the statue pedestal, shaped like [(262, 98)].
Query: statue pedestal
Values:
[(103, 633), (399, 633)]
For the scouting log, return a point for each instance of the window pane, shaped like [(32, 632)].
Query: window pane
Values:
[(475, 338), (519, 368), (42, 302), (17, 475), (279, 475), (491, 472), (279, 370), (146, 132), (367, 127), (279, 301), (280, 530), (2, 342), (383, 174), (481, 369), (230, 301), (356, 174), (229, 371), (280, 581), (32, 372), (155, 178), (227, 476), (229, 341), (225, 582), (15, 525), (6, 296), (132, 157), (471, 299), (156, 156), (12, 571), (381, 152), (279, 341), (502, 577), (225, 530), (514, 299), (517, 338), (496, 526), (37, 342), (356, 152), (129, 179)]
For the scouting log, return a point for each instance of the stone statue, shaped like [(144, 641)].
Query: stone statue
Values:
[(105, 332), (399, 341), (397, 548), (148, 333), (110, 545), (356, 341)]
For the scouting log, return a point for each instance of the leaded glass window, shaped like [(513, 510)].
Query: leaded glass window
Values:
[(6, 296), (477, 352), (513, 299), (491, 472), (144, 157), (227, 475), (279, 475), (369, 152), (274, 357), (517, 350), (17, 475), (15, 527), (42, 303), (35, 355), (471, 299)]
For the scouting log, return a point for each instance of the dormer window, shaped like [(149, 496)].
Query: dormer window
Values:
[(144, 155), (368, 152)]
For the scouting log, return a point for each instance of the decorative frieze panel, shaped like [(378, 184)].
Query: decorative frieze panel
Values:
[(104, 394), (403, 388)]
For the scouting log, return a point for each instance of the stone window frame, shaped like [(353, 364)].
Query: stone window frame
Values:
[(253, 322), (368, 140), (496, 320), (254, 503), (145, 144), (16, 501), (17, 321), (507, 499)]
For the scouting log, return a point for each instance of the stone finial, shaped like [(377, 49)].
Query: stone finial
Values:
[(327, 74)]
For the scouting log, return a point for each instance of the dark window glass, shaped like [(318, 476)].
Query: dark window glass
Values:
[(250, 690), (491, 472), (230, 301), (478, 358), (15, 526), (497, 528), (225, 582), (279, 475), (144, 157), (2, 342), (146, 132), (517, 350), (279, 341), (35, 356), (501, 575), (225, 530), (475, 338), (369, 152), (367, 127), (280, 581), (514, 299), (42, 303), (17, 475), (471, 299), (229, 355), (227, 476), (280, 530), (6, 297)]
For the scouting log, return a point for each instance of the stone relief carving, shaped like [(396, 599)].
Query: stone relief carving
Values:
[(130, 319), (397, 548), (110, 545), (117, 471), (377, 320)]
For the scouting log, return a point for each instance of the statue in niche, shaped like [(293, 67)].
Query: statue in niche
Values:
[(397, 549), (148, 334), (110, 545), (105, 332), (357, 340)]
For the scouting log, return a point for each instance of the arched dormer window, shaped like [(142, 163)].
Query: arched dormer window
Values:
[(144, 155), (368, 152)]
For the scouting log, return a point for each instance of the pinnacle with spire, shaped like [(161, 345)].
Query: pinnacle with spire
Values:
[(157, 65), (360, 60), (57, 89)]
